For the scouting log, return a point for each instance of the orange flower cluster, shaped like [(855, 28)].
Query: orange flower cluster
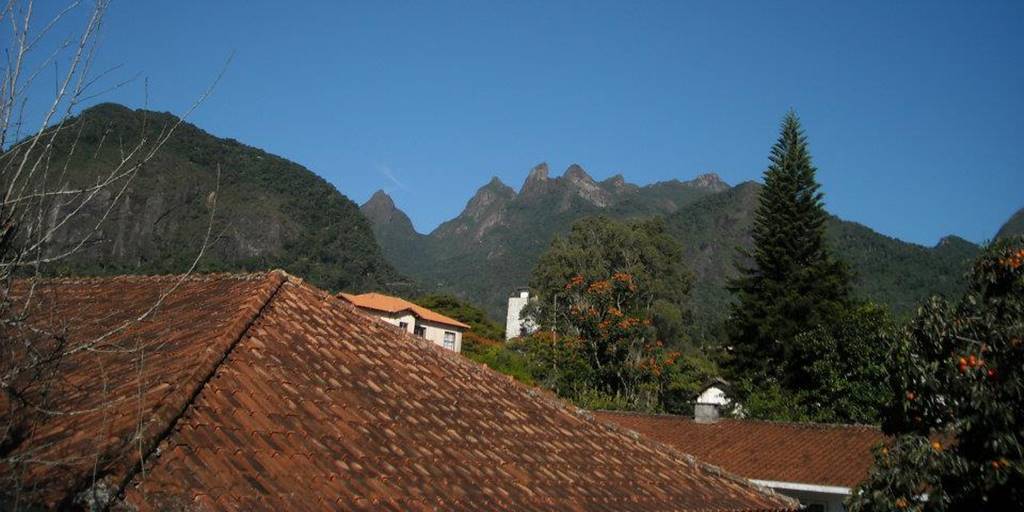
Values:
[(575, 281), (599, 287), (1014, 261), (622, 277), (671, 357), (614, 311), (628, 323), (1000, 463)]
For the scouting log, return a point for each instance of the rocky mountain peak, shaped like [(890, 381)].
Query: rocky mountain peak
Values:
[(536, 180), (496, 184), (709, 181), (616, 181), (576, 174), (493, 192), (581, 184), (379, 208), (380, 199)]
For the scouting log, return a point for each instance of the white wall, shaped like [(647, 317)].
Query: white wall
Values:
[(819, 498), (513, 323), (435, 333), (408, 319), (830, 502)]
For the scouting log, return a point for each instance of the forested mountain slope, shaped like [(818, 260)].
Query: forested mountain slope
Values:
[(492, 246), (1013, 227), (270, 212), (886, 270), (490, 249)]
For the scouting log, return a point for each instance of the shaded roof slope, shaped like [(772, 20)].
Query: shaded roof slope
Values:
[(96, 419), (389, 304), (312, 406), (808, 453)]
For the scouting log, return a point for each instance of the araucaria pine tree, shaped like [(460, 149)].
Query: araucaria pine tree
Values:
[(790, 282)]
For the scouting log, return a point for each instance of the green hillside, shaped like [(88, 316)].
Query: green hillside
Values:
[(493, 245), (270, 212), (886, 270), (1013, 227)]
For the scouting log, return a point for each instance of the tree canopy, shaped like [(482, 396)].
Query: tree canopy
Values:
[(791, 282), (598, 248), (957, 399)]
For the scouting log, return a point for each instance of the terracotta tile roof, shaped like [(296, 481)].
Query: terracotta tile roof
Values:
[(261, 392), (389, 304), (808, 453), (96, 411)]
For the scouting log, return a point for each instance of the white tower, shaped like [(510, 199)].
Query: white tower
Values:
[(514, 325)]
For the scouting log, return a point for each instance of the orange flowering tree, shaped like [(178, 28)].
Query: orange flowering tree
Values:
[(601, 294), (957, 404), (614, 334)]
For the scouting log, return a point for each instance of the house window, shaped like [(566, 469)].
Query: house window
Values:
[(420, 331), (449, 340), (404, 325)]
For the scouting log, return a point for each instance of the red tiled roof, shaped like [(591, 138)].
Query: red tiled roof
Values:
[(808, 453), (261, 392), (389, 304)]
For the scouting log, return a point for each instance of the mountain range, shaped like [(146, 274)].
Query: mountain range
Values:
[(489, 249), (274, 213)]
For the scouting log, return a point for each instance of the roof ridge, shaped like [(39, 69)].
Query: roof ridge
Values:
[(200, 276), (275, 281), (803, 424)]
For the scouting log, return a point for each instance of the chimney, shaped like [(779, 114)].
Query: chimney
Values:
[(705, 413)]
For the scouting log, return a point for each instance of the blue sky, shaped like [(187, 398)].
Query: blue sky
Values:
[(915, 110)]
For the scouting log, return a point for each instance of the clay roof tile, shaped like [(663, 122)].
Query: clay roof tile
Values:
[(266, 393)]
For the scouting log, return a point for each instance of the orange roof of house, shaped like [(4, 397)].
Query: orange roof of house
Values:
[(261, 392), (389, 304), (807, 453)]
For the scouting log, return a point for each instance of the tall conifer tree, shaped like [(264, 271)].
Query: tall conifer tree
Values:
[(791, 282)]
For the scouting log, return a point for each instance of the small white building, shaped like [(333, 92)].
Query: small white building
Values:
[(711, 400), (413, 318), (515, 325)]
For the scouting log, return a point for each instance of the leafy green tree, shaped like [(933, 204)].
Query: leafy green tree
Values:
[(957, 403), (595, 249), (606, 295), (766, 400), (794, 283), (842, 368)]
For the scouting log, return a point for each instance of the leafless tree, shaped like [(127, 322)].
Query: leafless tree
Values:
[(38, 198)]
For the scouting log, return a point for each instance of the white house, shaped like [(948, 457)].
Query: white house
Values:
[(515, 325), (415, 319), (710, 401)]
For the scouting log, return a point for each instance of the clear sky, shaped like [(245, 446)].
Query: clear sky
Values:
[(914, 110)]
